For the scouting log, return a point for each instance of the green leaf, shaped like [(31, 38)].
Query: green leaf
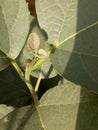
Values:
[(22, 119), (72, 27), (68, 107), (65, 107), (57, 18), (13, 90), (4, 110), (14, 26), (36, 40)]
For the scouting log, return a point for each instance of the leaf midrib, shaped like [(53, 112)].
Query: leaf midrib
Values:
[(79, 53), (64, 20), (75, 34)]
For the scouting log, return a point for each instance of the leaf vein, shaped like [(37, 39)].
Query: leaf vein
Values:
[(75, 34), (64, 20)]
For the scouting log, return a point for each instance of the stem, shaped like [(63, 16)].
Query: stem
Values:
[(27, 78), (28, 71), (31, 88), (35, 97), (38, 82), (42, 60), (18, 69)]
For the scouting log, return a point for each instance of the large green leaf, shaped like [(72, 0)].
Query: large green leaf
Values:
[(65, 107), (25, 118), (4, 110), (72, 26), (68, 107), (14, 27)]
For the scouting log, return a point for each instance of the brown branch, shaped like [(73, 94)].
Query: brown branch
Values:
[(31, 6)]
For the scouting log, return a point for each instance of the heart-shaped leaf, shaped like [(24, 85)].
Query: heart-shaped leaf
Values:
[(65, 107), (23, 119), (4, 110), (14, 27), (72, 27)]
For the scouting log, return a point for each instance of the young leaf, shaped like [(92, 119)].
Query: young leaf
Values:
[(42, 53), (41, 40), (33, 42)]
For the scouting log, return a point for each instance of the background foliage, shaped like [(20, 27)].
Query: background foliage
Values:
[(70, 72)]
